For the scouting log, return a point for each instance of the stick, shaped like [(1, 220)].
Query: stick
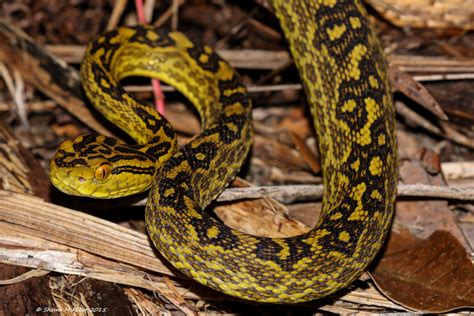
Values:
[(315, 192)]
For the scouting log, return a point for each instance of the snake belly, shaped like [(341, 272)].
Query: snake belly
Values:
[(344, 74)]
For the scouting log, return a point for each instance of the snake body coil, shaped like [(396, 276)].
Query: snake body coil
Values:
[(344, 75)]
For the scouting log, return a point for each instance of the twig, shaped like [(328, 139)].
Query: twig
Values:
[(268, 60), (316, 192), (145, 305), (31, 106), (25, 276), (444, 77), (168, 13), (15, 86), (452, 134), (250, 88), (148, 7), (447, 131), (119, 7), (416, 118), (174, 18), (426, 64)]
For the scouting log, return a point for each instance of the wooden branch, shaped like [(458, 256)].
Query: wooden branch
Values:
[(314, 192), (447, 131), (458, 169), (79, 230), (250, 88), (431, 191), (425, 64), (263, 59), (417, 119), (291, 193), (23, 249)]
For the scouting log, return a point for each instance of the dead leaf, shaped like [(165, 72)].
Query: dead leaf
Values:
[(434, 275), (297, 121), (430, 161), (309, 156), (278, 154), (404, 83), (69, 130)]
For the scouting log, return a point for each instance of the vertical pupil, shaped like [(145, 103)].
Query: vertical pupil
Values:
[(101, 172)]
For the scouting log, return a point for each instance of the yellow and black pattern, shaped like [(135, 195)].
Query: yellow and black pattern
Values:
[(344, 74)]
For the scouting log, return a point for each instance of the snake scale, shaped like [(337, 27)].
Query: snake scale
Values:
[(344, 74)]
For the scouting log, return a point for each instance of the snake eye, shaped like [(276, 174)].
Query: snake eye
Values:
[(102, 172)]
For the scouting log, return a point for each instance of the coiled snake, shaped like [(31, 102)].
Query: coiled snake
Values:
[(344, 74)]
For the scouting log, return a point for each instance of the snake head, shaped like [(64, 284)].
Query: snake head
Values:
[(97, 166)]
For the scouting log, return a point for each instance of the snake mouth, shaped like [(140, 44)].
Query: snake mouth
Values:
[(66, 184), (64, 187)]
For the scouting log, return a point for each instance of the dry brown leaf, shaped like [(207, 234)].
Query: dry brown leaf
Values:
[(404, 83), (278, 154), (430, 161), (69, 130), (297, 121), (433, 275), (308, 156)]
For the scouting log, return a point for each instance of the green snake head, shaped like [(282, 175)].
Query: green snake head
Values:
[(97, 166)]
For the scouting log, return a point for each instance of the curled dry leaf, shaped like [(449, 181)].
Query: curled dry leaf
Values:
[(430, 161), (434, 275)]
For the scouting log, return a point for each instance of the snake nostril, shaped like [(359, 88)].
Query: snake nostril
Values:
[(81, 179)]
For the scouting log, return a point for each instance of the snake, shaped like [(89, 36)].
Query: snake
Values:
[(344, 74)]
